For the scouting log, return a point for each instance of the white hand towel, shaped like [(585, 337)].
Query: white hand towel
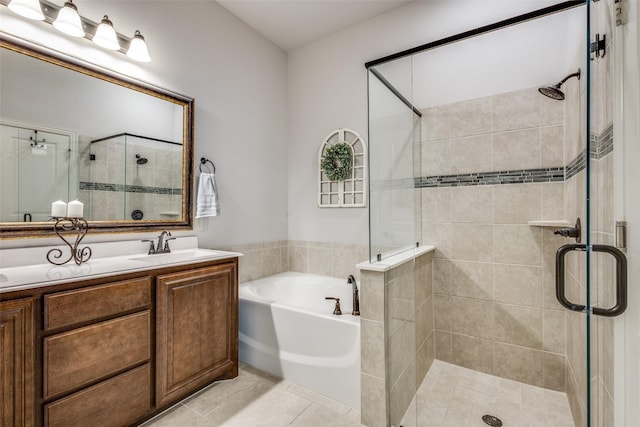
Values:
[(207, 203)]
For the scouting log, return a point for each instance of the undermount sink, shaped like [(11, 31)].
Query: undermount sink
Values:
[(176, 256)]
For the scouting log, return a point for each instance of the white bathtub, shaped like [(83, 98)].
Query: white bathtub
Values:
[(287, 328)]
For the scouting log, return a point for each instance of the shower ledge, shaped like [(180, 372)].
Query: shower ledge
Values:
[(395, 260), (551, 223)]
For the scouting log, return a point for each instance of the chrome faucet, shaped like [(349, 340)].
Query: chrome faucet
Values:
[(356, 298), (162, 247)]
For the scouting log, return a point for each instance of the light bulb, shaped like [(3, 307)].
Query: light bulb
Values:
[(28, 8), (106, 36), (68, 20), (138, 48)]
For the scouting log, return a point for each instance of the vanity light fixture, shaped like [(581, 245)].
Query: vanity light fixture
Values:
[(106, 36), (28, 8), (138, 48), (68, 20)]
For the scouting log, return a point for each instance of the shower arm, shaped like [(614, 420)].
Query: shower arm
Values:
[(576, 74)]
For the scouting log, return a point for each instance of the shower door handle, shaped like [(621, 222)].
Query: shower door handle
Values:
[(621, 279), (560, 282)]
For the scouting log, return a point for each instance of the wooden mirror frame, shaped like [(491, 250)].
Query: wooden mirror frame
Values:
[(10, 230)]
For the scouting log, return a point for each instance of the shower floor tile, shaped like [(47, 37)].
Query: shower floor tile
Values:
[(453, 396)]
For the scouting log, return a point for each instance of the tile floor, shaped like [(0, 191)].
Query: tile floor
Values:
[(256, 399), (450, 396)]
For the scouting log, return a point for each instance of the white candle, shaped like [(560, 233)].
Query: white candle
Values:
[(74, 209), (58, 209)]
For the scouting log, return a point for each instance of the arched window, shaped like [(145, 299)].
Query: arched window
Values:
[(352, 191)]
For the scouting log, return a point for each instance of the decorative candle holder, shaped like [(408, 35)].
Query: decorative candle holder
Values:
[(66, 225)]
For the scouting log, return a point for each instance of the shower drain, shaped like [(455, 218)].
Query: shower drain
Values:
[(492, 421)]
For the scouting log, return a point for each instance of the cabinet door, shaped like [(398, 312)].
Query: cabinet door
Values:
[(197, 330), (16, 367)]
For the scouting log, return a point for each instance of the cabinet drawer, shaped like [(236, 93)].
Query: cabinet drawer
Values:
[(95, 302), (116, 402), (80, 356)]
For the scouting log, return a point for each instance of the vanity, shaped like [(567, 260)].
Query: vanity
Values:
[(118, 339)]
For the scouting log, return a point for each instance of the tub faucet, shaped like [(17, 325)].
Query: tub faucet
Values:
[(356, 297)]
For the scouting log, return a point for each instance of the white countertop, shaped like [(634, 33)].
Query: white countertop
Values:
[(108, 258), (395, 260)]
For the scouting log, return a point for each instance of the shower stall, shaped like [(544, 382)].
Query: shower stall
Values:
[(131, 177), (497, 146)]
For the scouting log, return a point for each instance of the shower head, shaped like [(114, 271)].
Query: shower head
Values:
[(554, 91), (141, 160)]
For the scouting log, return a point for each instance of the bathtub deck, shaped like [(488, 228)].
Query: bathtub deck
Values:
[(256, 398)]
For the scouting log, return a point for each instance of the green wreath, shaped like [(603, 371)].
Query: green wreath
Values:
[(337, 161)]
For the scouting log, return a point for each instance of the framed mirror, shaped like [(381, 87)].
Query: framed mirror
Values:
[(70, 130)]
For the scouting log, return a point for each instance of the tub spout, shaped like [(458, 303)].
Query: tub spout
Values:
[(356, 297)]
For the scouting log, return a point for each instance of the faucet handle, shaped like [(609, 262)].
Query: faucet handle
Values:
[(166, 244), (337, 311), (152, 247)]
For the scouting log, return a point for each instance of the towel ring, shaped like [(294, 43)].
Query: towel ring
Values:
[(204, 161)]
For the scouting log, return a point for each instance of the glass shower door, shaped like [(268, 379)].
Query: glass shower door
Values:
[(592, 272)]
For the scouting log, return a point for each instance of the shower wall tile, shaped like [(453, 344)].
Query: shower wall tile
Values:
[(551, 111), (472, 242), (440, 236), (436, 205), (471, 204), (515, 150), (517, 284), (470, 154), (519, 363), (372, 349), (435, 158), (553, 331), (516, 110), (518, 325), (552, 146), (442, 308), (493, 274), (554, 366), (517, 244), (435, 123), (473, 353), (472, 280), (471, 117), (442, 273), (373, 401), (517, 204), (553, 201), (372, 296), (472, 317), (443, 351)]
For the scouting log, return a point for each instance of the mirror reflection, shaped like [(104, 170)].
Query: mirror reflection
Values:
[(119, 147)]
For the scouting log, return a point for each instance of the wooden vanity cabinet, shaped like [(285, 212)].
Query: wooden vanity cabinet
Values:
[(17, 387), (196, 330), (117, 350), (97, 354)]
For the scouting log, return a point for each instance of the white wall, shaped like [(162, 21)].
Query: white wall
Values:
[(238, 80), (327, 84)]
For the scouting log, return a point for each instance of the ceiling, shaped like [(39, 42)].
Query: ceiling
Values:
[(294, 23)]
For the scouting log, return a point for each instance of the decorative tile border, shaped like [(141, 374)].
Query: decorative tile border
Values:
[(600, 146), (492, 178), (99, 186)]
